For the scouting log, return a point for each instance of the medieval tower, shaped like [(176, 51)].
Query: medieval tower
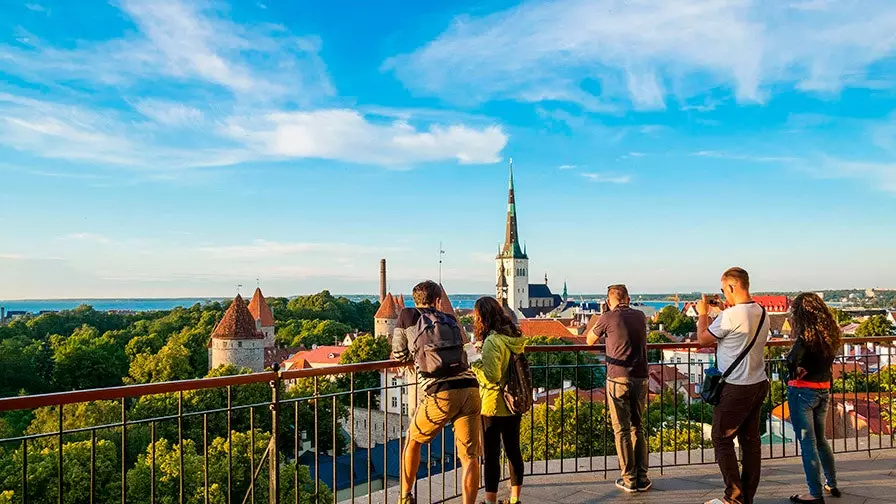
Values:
[(263, 316), (386, 318), (238, 339), (513, 259)]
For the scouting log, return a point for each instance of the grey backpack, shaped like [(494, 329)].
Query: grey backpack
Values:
[(438, 346)]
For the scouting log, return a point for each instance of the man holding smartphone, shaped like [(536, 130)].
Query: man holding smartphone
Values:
[(739, 334), (625, 332)]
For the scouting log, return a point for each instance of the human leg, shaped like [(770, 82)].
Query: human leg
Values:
[(510, 435), (638, 399), (825, 453), (620, 414), (727, 419), (750, 441), (491, 437)]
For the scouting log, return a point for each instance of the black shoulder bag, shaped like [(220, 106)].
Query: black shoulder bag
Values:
[(714, 380)]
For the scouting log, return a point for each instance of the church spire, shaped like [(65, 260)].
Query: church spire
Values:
[(511, 236), (565, 293)]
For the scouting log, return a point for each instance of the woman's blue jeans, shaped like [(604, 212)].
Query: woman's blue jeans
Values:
[(807, 414)]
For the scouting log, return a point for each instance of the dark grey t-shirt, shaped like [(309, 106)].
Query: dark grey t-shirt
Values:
[(625, 330)]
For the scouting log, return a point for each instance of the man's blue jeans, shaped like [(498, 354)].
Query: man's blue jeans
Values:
[(807, 411)]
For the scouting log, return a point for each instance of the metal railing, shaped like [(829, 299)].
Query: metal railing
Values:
[(336, 434)]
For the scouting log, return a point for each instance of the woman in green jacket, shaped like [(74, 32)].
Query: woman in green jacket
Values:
[(499, 337)]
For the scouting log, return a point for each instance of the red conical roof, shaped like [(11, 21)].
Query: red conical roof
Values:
[(399, 301), (237, 323), (444, 306), (387, 309), (259, 309)]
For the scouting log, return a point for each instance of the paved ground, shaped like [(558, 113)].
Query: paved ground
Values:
[(863, 480)]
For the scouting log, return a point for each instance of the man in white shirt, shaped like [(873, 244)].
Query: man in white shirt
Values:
[(738, 412)]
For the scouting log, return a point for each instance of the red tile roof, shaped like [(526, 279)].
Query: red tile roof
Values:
[(259, 309), (444, 305), (399, 301), (321, 356), (551, 328), (387, 309), (278, 355), (237, 323), (667, 374), (774, 304)]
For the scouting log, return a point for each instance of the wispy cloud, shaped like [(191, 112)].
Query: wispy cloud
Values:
[(12, 257), (87, 237), (271, 100), (567, 167), (744, 157), (880, 175), (607, 179), (260, 249), (644, 53), (35, 7)]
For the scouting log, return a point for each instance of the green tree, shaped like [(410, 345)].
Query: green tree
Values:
[(307, 399), (365, 348), (570, 427), (76, 416), (317, 332), (656, 337), (243, 452), (551, 369), (172, 362), (43, 472), (25, 366), (875, 325), (87, 360), (840, 316), (672, 320)]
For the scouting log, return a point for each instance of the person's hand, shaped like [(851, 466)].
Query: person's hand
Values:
[(477, 345), (703, 305), (800, 373)]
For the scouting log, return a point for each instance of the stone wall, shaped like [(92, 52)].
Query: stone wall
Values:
[(241, 353), (397, 424)]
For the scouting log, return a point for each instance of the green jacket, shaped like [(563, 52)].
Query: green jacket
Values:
[(491, 371)]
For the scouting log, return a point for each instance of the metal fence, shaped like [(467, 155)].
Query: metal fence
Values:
[(336, 434)]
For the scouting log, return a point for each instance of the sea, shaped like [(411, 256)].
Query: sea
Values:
[(461, 301)]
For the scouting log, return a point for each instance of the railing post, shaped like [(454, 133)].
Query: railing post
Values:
[(273, 452)]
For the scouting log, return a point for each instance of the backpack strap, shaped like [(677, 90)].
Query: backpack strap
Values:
[(745, 351)]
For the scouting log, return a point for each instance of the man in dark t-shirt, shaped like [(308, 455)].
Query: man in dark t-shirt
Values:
[(624, 330)]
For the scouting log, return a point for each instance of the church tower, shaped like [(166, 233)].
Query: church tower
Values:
[(263, 316), (512, 259)]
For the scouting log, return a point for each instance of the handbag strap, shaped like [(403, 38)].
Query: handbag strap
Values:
[(744, 353)]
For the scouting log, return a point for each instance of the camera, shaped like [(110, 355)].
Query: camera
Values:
[(714, 300)]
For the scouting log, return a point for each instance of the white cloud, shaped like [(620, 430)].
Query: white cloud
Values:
[(642, 52), (608, 179), (261, 249), (178, 40), (265, 92), (169, 113), (880, 175), (567, 167), (12, 257), (744, 157), (88, 237), (347, 135), (35, 7)]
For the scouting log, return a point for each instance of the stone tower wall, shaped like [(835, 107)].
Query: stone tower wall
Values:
[(241, 353), (384, 327), (268, 336)]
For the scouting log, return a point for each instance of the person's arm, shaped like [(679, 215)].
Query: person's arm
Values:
[(490, 369), (400, 350), (795, 358), (598, 332), (709, 332)]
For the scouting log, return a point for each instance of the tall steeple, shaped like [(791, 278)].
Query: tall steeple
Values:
[(511, 247), (565, 293)]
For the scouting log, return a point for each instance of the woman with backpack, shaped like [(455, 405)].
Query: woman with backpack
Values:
[(809, 363), (500, 338)]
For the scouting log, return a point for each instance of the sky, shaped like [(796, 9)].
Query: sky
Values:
[(162, 148)]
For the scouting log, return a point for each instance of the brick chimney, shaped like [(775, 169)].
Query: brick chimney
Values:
[(382, 280)]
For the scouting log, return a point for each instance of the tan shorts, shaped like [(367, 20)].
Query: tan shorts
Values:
[(461, 407)]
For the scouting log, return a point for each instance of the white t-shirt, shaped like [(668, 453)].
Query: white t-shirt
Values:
[(734, 328)]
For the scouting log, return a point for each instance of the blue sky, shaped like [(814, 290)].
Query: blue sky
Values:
[(179, 148)]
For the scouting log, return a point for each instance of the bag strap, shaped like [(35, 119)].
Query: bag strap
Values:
[(744, 353)]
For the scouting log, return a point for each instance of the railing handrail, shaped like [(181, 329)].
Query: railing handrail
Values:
[(128, 391)]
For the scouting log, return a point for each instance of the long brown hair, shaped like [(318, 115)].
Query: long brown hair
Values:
[(490, 316), (814, 322)]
